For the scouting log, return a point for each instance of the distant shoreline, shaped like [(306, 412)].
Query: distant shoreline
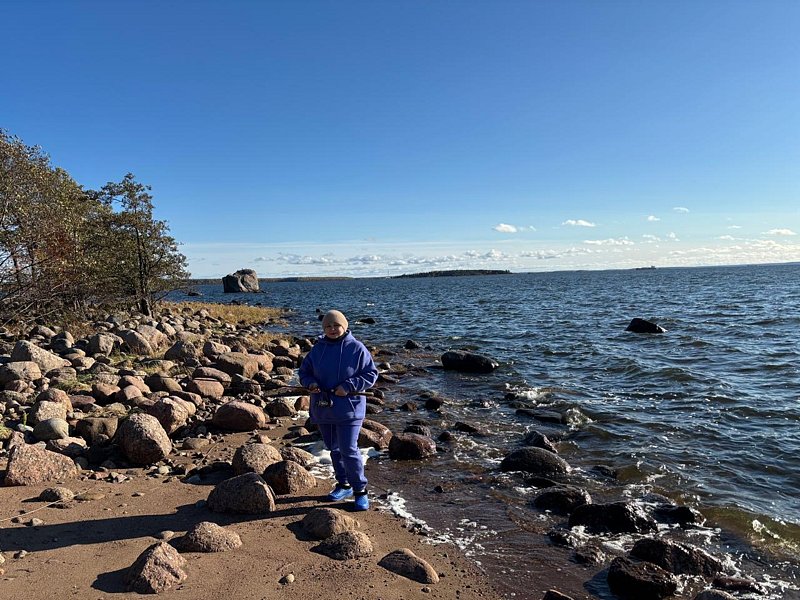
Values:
[(453, 273)]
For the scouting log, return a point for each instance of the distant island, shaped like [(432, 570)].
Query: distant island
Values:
[(218, 280), (454, 273)]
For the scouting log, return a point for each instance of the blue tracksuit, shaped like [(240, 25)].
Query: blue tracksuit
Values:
[(329, 364)]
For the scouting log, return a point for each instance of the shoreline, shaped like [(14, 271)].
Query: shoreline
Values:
[(122, 508), (551, 566)]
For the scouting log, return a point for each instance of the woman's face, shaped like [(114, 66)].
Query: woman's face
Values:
[(333, 330)]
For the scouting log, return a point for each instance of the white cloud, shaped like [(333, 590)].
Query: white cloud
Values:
[(610, 242), (680, 209), (652, 218), (506, 228), (651, 238), (672, 236), (726, 237), (781, 232), (578, 223), (734, 226)]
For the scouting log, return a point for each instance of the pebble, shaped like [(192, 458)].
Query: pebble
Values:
[(35, 522), (21, 554), (165, 535), (287, 579), (137, 494)]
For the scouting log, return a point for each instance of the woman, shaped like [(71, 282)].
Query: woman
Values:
[(336, 372)]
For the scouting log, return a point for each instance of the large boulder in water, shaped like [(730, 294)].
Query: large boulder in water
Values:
[(640, 580), (614, 517), (638, 325), (243, 280), (467, 362), (535, 460)]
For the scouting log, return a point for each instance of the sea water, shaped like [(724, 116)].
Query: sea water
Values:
[(707, 413)]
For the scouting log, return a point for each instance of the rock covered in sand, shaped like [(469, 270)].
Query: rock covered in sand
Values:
[(404, 562), (208, 537), (157, 569), (244, 494)]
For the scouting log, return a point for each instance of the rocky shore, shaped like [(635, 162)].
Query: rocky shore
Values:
[(160, 456), (165, 455)]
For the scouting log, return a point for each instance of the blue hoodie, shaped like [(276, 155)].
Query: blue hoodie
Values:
[(331, 363)]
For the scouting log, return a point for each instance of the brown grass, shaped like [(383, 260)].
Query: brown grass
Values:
[(231, 313)]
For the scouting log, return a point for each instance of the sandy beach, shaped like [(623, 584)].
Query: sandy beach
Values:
[(85, 548)]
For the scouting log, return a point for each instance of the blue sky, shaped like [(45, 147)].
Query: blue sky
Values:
[(375, 138)]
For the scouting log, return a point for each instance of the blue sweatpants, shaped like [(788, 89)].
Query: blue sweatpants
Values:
[(342, 440)]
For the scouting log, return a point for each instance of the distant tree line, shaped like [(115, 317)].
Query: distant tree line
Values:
[(455, 273), (64, 248)]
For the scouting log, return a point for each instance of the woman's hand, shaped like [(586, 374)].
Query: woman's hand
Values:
[(313, 388), (340, 391)]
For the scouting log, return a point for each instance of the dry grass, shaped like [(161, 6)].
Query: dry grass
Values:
[(231, 313)]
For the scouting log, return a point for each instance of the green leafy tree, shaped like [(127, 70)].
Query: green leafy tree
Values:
[(141, 258)]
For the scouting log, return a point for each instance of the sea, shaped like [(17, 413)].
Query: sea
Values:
[(706, 414)]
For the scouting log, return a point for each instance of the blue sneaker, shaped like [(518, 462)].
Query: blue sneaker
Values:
[(340, 492), (362, 501)]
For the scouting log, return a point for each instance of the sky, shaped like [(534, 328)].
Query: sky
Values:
[(346, 138)]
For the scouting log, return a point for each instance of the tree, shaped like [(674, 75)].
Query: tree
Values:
[(43, 230), (139, 251)]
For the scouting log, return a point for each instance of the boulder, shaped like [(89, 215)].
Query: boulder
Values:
[(207, 388), (346, 546), (171, 413), (255, 458), (467, 362), (135, 342), (43, 411), (374, 434), (239, 416), (212, 349), (160, 382), (73, 447), (301, 457), (411, 446), (679, 559), (208, 537), (28, 351), (156, 338), (613, 517), (24, 370), (97, 430), (180, 351), (238, 363), (244, 494), (536, 461), (51, 429), (404, 562), (539, 440), (561, 500), (638, 325), (243, 280), (643, 581), (143, 440), (322, 523), (212, 373), (29, 465), (287, 477), (103, 343), (157, 569)]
